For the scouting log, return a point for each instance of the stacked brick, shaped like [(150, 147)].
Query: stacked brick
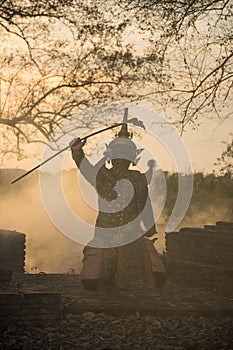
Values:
[(12, 254), (29, 308), (19, 306), (202, 256), (61, 282)]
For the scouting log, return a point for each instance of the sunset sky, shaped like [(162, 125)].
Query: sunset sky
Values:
[(204, 143)]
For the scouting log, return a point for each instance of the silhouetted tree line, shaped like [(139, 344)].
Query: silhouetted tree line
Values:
[(212, 197)]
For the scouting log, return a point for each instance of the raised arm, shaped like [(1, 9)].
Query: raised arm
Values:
[(88, 170), (147, 214), (85, 167)]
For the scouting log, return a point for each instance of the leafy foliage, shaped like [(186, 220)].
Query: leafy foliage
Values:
[(60, 66), (60, 57), (195, 37), (211, 199), (225, 161)]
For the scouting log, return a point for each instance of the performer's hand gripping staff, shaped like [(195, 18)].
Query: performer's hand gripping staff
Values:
[(79, 142)]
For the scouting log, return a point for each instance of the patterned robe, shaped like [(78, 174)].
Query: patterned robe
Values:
[(129, 259)]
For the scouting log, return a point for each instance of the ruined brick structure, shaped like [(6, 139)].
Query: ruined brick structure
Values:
[(18, 304), (202, 256), (12, 253)]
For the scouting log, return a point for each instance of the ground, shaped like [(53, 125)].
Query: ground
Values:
[(173, 317)]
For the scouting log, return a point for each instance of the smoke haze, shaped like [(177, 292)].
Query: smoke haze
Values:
[(48, 250)]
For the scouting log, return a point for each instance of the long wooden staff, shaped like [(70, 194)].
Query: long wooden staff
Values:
[(62, 150), (134, 121)]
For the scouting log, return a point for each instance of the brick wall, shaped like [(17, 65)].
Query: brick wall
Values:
[(202, 256), (12, 251)]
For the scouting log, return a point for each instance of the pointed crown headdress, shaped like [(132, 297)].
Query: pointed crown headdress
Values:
[(122, 146)]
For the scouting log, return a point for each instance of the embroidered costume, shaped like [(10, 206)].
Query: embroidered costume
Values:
[(119, 255)]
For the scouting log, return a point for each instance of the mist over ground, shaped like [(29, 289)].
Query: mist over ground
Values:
[(48, 250)]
